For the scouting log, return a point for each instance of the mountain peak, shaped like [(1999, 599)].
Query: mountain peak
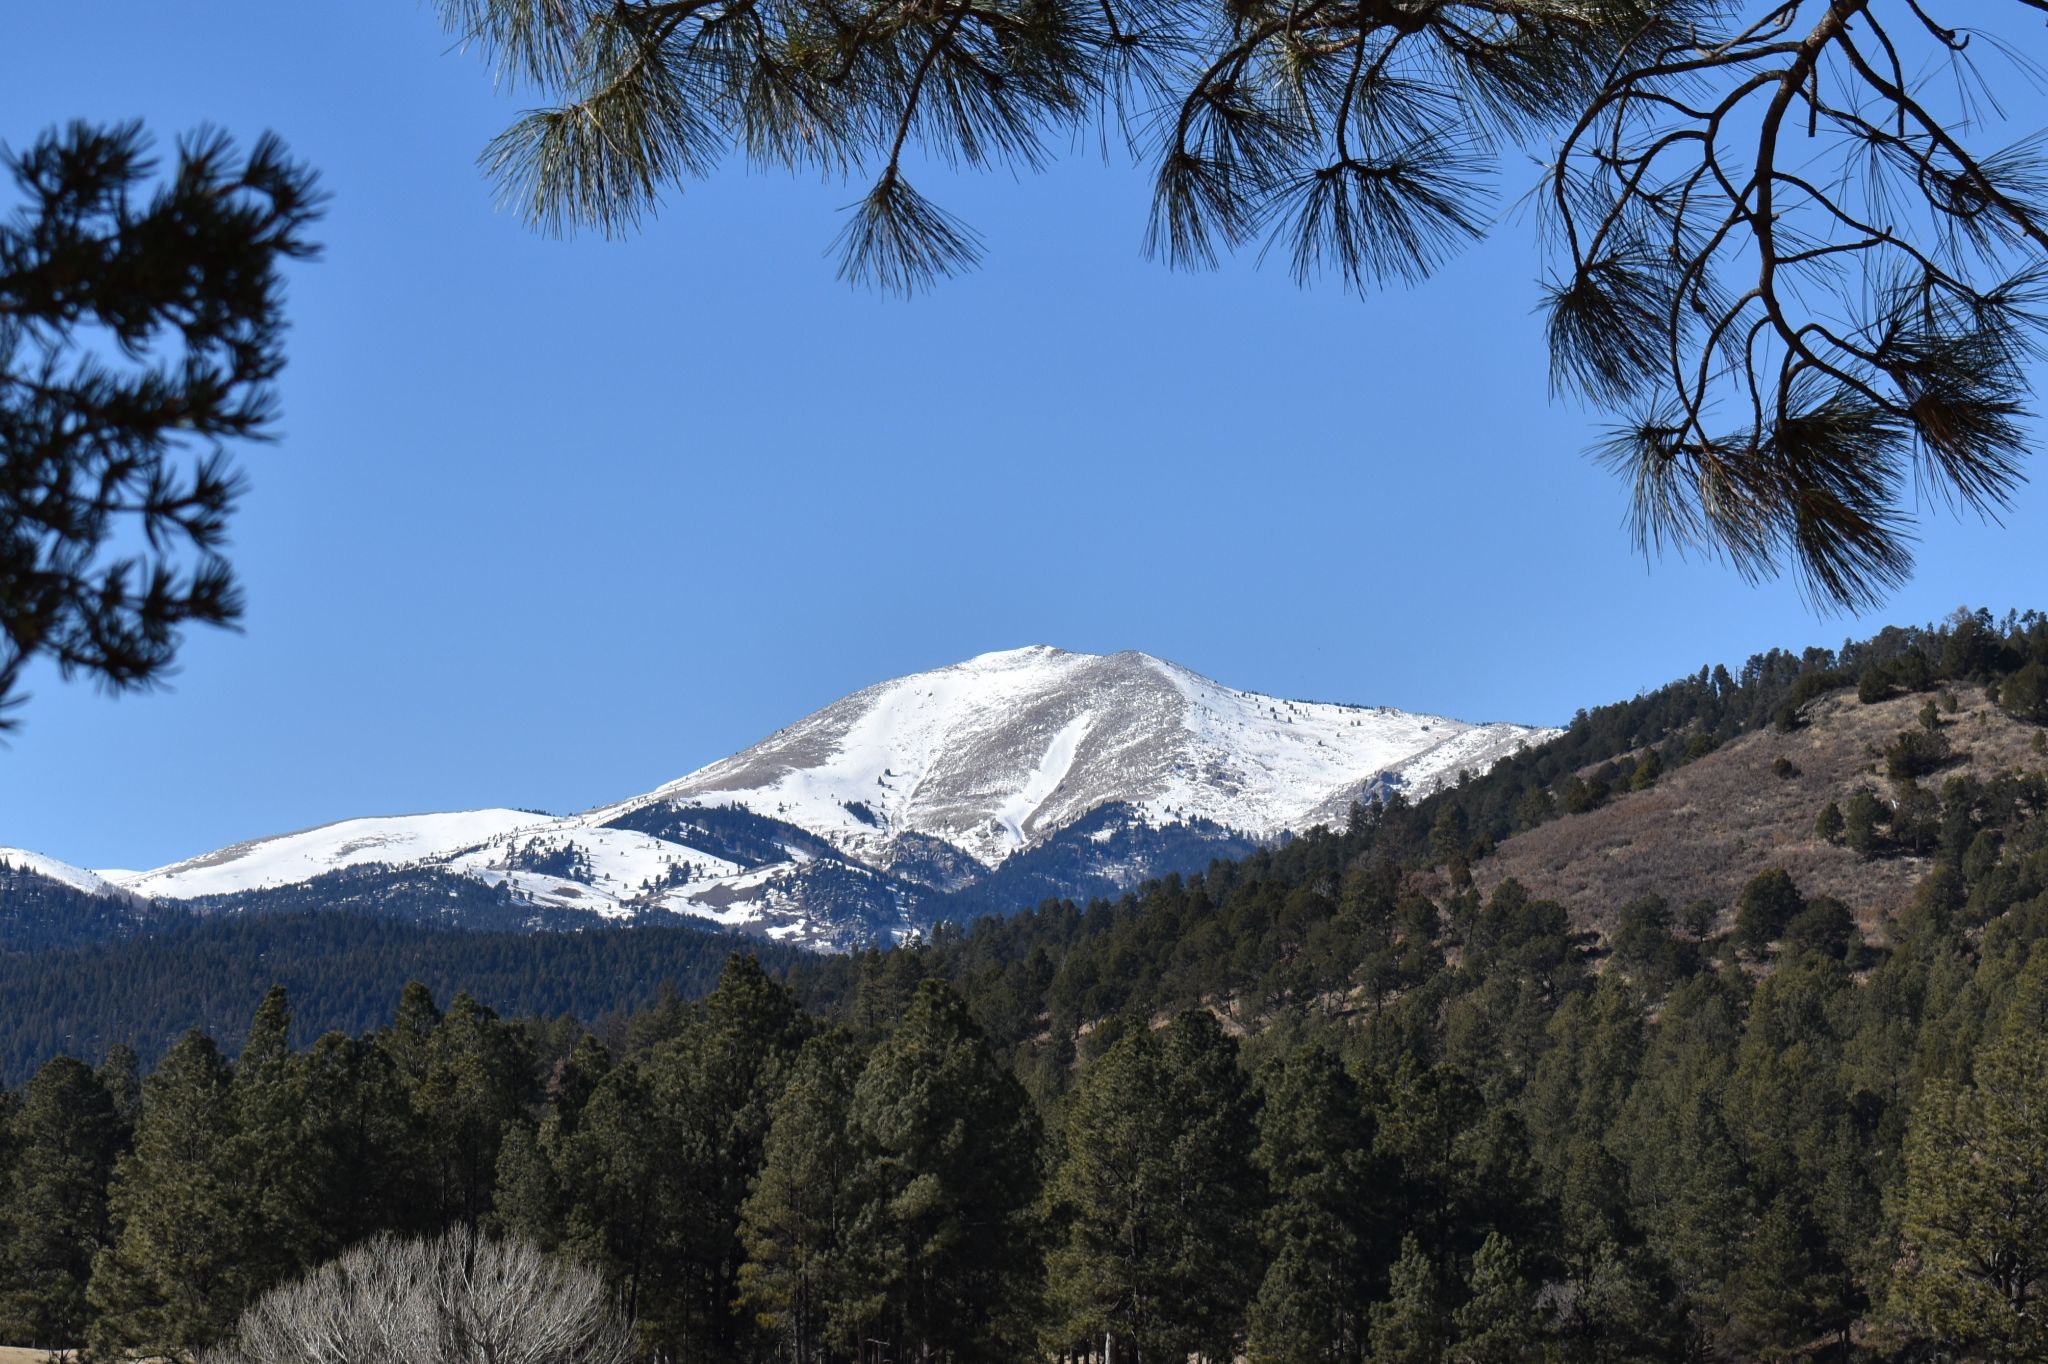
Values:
[(1029, 654), (849, 821)]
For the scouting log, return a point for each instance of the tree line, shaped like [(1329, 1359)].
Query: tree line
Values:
[(1324, 1102), (1507, 1155)]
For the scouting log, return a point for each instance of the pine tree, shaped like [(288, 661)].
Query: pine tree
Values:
[(121, 1074), (796, 1224), (470, 1081), (279, 1178), (144, 334), (64, 1138), (1323, 1235), (614, 1180), (1410, 1326), (1769, 902), (947, 1179), (1315, 148), (361, 1142), (1828, 825), (1155, 1195), (177, 1274), (713, 1087), (1973, 1214), (1500, 1321), (1860, 823), (527, 1204)]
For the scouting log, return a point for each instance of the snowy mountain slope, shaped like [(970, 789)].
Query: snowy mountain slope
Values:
[(865, 817), (994, 753), (78, 878)]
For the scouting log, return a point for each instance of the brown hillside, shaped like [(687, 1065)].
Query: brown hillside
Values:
[(1705, 829)]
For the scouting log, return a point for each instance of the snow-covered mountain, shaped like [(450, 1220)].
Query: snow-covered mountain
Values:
[(986, 784)]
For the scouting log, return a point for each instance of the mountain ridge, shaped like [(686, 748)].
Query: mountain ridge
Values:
[(862, 819)]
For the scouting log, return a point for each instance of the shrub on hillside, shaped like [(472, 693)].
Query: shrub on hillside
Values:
[(1916, 753), (1769, 903), (1824, 926), (2024, 694)]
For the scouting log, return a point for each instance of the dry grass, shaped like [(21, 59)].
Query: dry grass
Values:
[(1705, 829), (11, 1355)]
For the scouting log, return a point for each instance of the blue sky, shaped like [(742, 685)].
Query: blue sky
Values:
[(553, 522)]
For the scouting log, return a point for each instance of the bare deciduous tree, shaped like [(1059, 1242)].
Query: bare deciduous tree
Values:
[(459, 1298)]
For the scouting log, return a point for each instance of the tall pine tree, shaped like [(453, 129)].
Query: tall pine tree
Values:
[(178, 1272), (947, 1179), (65, 1137)]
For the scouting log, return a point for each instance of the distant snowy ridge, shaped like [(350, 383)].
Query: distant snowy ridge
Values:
[(49, 868), (854, 821)]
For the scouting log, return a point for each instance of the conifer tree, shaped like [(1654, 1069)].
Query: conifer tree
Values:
[(527, 1204), (1411, 1326), (1973, 1214), (10, 1104), (1769, 902), (177, 1274), (1859, 823), (471, 1080), (1818, 180), (714, 1086), (121, 1074), (279, 1178), (1500, 1321), (141, 332), (64, 1138), (361, 1141), (796, 1224), (1155, 1197), (948, 1176), (614, 1179), (1322, 1233)]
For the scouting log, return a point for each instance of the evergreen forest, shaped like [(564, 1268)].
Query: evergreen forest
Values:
[(1347, 1099)]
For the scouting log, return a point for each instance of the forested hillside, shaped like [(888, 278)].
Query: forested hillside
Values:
[(1355, 1098), (343, 971)]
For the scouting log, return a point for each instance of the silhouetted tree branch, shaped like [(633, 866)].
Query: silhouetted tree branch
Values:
[(1787, 258), (141, 327)]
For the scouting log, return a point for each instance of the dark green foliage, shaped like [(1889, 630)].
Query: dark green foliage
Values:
[(1860, 824), (1326, 1232), (62, 1140), (179, 1268), (1153, 1183), (800, 1278), (1412, 1325), (1501, 1321), (1466, 1139), (270, 1106), (1867, 354), (1973, 1217), (1769, 902), (1916, 753), (2024, 693), (1829, 824), (1824, 925), (713, 1088), (948, 1175), (1643, 943), (342, 970)]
